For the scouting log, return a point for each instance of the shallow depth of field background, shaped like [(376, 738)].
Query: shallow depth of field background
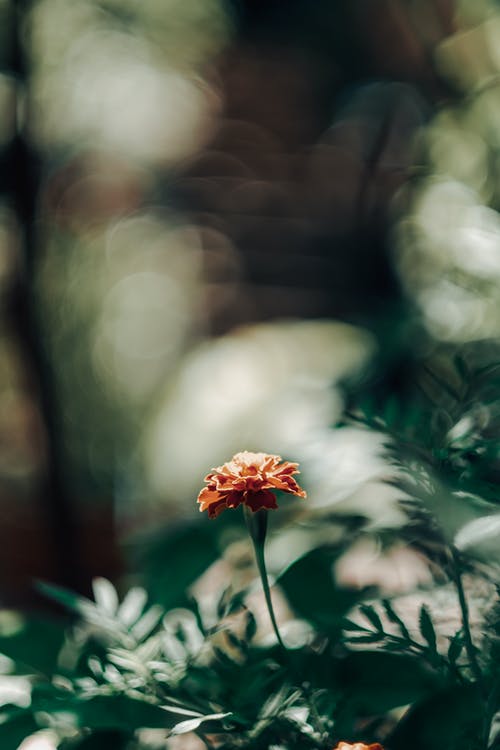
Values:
[(213, 215)]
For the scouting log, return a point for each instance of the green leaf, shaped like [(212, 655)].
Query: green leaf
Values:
[(233, 639), (450, 719), (14, 728), (190, 725), (132, 606), (391, 411), (351, 626), (371, 615), (456, 646), (311, 590), (478, 532), (367, 638), (103, 711), (105, 596), (396, 619), (250, 627), (107, 739), (120, 712), (62, 596), (377, 681), (426, 628), (223, 657), (148, 622), (318, 669), (33, 643), (247, 688), (175, 558)]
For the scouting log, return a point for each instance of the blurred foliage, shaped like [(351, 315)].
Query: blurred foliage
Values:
[(127, 668), (174, 170)]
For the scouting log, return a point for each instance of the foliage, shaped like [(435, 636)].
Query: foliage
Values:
[(176, 655), (135, 672)]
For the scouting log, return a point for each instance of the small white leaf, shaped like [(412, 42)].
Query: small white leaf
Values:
[(105, 595), (191, 724), (122, 662), (95, 666), (148, 622), (173, 649), (148, 650), (132, 606), (478, 531), (182, 711)]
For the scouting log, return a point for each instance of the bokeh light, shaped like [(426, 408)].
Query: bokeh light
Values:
[(266, 386), (209, 216), (448, 245)]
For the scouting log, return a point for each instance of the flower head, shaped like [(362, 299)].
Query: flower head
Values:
[(249, 479), (358, 746)]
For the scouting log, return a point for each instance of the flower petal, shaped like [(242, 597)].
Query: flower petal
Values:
[(209, 496), (249, 478), (286, 484), (233, 499), (287, 467), (216, 509), (259, 500)]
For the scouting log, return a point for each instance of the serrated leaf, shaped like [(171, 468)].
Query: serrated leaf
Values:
[(351, 625), (372, 616), (456, 647), (395, 619), (426, 628), (368, 638)]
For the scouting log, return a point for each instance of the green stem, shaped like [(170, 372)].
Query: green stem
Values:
[(464, 608), (257, 527)]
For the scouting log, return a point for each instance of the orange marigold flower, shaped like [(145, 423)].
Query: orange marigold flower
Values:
[(251, 479), (358, 746)]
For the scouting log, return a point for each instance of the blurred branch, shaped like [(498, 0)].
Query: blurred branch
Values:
[(22, 181)]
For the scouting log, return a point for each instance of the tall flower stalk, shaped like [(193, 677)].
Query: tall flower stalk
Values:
[(257, 528), (251, 480)]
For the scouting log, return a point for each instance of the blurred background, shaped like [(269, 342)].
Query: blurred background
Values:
[(215, 217)]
